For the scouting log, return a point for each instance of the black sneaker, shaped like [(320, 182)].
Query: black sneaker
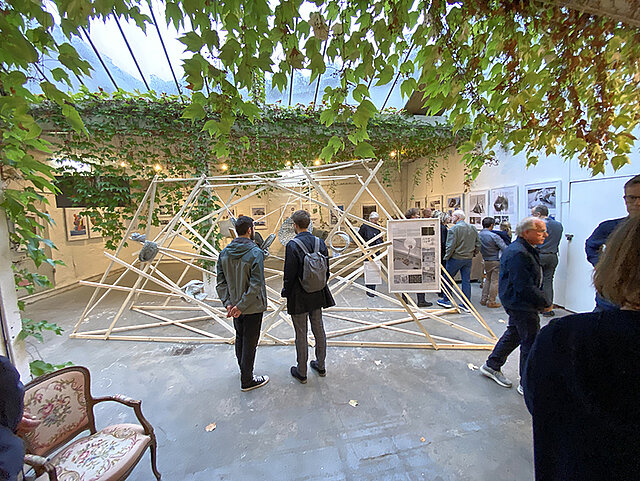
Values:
[(258, 381), (548, 314), (314, 366), (425, 304), (296, 374)]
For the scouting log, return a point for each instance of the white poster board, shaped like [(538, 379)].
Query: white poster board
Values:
[(414, 255), (372, 273)]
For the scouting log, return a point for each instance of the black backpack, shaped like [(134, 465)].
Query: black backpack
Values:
[(315, 268)]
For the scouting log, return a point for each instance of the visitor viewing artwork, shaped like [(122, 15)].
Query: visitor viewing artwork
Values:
[(414, 255)]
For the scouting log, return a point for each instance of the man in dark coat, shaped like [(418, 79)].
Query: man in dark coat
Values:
[(371, 235), (548, 252), (303, 305), (598, 239), (522, 297)]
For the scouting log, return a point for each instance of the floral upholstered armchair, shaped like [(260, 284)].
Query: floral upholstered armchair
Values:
[(63, 403)]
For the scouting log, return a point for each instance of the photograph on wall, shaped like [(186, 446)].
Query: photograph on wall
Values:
[(315, 212), (477, 207), (165, 213), (368, 209), (94, 232), (547, 194), (77, 225), (417, 204), (504, 201), (414, 255), (258, 213), (435, 202), (453, 202), (333, 216)]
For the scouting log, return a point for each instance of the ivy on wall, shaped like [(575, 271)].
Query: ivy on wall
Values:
[(139, 136)]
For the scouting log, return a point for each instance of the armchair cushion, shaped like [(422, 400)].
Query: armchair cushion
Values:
[(106, 455)]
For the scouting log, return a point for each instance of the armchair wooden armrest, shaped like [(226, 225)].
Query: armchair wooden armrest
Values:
[(41, 465), (135, 404)]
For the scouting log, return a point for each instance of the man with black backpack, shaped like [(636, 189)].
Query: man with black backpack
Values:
[(306, 272)]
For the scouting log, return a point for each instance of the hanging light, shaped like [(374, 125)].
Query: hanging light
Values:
[(316, 162), (392, 153), (224, 167), (288, 163), (157, 167), (123, 164)]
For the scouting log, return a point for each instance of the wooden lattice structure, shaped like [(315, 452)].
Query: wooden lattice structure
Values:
[(156, 295)]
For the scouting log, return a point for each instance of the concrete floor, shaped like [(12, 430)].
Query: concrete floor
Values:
[(420, 415)]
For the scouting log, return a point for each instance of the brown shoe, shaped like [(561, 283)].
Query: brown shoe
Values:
[(483, 303), (493, 304)]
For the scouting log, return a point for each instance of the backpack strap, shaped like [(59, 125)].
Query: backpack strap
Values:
[(301, 244), (317, 245)]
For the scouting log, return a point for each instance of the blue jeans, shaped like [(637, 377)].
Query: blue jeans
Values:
[(521, 331), (464, 266)]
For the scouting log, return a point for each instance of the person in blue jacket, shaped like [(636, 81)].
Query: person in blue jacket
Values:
[(522, 296), (598, 239)]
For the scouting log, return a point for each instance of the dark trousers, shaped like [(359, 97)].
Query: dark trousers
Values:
[(247, 336), (521, 331), (549, 262)]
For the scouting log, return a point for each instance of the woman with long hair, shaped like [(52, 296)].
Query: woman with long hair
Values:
[(582, 379)]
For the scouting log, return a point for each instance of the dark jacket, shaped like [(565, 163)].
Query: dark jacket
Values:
[(444, 231), (581, 387), (11, 407), (503, 235), (298, 300), (521, 278), (593, 245), (240, 276), (368, 232)]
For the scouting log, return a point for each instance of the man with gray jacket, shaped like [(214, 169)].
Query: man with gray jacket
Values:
[(462, 244), (241, 288)]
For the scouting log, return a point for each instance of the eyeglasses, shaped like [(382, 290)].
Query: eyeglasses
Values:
[(631, 198)]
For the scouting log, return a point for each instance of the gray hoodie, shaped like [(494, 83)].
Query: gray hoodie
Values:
[(240, 276)]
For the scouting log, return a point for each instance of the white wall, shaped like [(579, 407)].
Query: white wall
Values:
[(576, 218)]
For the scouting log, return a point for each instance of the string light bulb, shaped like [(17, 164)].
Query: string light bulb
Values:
[(224, 167), (288, 163), (392, 153), (316, 162), (157, 167), (123, 164)]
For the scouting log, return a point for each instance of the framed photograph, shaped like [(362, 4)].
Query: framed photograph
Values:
[(77, 225), (259, 215), (453, 202), (503, 203), (477, 207), (368, 209), (333, 218), (94, 233), (417, 204), (165, 213), (547, 194), (434, 202)]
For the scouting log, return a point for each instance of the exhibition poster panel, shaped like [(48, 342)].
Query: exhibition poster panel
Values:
[(414, 255)]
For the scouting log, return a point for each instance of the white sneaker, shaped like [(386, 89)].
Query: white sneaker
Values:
[(520, 390)]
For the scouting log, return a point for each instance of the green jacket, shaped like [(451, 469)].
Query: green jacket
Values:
[(240, 276), (462, 241)]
